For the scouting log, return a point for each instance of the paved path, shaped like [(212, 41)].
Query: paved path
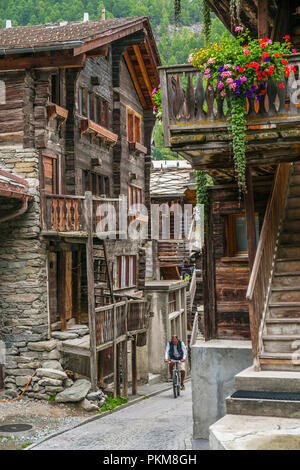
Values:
[(157, 423)]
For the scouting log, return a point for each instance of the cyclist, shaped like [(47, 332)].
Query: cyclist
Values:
[(176, 350)]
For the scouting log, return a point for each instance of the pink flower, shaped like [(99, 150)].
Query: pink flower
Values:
[(206, 71), (211, 60), (226, 74), (223, 93), (215, 110), (239, 28), (209, 88), (243, 79), (190, 58), (154, 91), (158, 86), (220, 85), (294, 51), (227, 66), (207, 76), (229, 80), (246, 51), (232, 86)]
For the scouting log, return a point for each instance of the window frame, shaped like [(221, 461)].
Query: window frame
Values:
[(133, 126), (231, 235), (127, 270)]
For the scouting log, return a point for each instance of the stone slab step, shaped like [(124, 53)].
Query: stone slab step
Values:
[(283, 326), (263, 407), (263, 380), (281, 343)]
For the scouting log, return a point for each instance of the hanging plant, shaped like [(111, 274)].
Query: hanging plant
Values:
[(156, 98), (238, 69), (235, 9), (201, 187), (206, 13)]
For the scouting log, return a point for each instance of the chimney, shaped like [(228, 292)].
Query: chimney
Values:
[(103, 14), (8, 23), (86, 17)]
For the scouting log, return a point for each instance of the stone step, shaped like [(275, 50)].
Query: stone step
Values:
[(283, 326), (263, 407), (287, 265), (286, 279), (284, 381), (285, 294), (281, 344), (289, 251)]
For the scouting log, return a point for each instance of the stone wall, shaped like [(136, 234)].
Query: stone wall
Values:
[(23, 277)]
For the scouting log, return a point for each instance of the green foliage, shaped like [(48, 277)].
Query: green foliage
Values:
[(112, 403), (206, 21), (23, 446), (202, 182)]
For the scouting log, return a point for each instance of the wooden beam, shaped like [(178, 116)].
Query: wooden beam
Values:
[(134, 366), (143, 69), (135, 79), (106, 39), (250, 218), (125, 369), (263, 17), (91, 289), (115, 349), (152, 58), (61, 61), (102, 51)]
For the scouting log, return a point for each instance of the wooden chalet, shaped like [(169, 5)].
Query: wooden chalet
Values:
[(76, 120), (252, 253)]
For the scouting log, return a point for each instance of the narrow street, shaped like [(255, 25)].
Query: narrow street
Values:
[(158, 423)]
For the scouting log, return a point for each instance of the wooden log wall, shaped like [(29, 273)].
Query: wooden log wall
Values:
[(231, 274)]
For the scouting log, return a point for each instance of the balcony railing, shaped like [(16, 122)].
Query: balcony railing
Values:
[(65, 213), (190, 104)]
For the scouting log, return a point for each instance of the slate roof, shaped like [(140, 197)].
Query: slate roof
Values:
[(61, 33), (169, 177), (11, 185)]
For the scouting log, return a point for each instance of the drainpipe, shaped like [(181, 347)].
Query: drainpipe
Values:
[(21, 211)]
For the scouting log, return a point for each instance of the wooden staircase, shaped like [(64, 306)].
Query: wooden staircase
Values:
[(281, 329)]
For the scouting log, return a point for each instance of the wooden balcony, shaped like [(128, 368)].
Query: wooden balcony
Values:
[(65, 215), (95, 130), (202, 136)]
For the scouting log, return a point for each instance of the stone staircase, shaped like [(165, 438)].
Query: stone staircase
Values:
[(281, 333)]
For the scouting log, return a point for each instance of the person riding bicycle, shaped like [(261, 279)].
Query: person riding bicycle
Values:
[(176, 350)]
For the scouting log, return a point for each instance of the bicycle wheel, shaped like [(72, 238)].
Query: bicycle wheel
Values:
[(175, 388), (178, 384)]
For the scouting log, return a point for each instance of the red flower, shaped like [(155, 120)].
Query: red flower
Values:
[(287, 37), (284, 61), (282, 85), (293, 69), (277, 56), (242, 69), (263, 92), (265, 55), (294, 51)]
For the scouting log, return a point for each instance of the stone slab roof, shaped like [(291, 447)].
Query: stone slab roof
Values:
[(61, 33), (170, 177)]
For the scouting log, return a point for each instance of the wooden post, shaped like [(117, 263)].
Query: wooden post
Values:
[(61, 290), (115, 352), (250, 218), (134, 366), (209, 290), (125, 369), (91, 288), (125, 356), (263, 16)]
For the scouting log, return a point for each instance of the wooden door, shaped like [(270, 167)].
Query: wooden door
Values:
[(50, 174)]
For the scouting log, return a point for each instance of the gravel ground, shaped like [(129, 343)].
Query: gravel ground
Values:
[(44, 417)]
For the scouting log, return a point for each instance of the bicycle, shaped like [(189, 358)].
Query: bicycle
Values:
[(176, 378)]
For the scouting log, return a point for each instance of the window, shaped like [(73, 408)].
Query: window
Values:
[(50, 173), (98, 184), (135, 196), (126, 271), (237, 234), (172, 302), (55, 89), (134, 123)]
